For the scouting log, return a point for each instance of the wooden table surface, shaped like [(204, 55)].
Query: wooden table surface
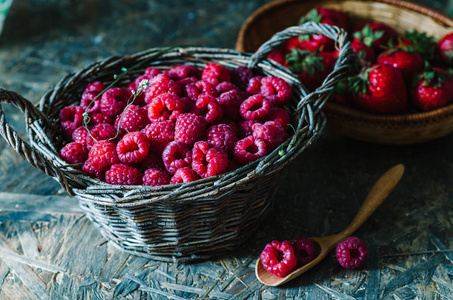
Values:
[(50, 250)]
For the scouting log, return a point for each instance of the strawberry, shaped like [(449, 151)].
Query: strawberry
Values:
[(404, 58), (423, 43), (445, 48), (312, 68), (278, 56), (432, 89), (379, 89), (376, 35)]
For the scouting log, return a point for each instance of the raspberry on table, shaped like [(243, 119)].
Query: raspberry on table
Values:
[(208, 160), (279, 115), (249, 149), (189, 128), (278, 258), (102, 155), (215, 73), (113, 101), (183, 71), (71, 117), (193, 90), (133, 148), (271, 132), (74, 153), (351, 253), (305, 250), (121, 174), (160, 84), (276, 90), (165, 106), (185, 174), (159, 134), (155, 177), (133, 118), (176, 155), (240, 76), (255, 107), (208, 107), (222, 136)]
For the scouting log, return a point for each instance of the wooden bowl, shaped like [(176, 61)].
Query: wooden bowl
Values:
[(400, 129)]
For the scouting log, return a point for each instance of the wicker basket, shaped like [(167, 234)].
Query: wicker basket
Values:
[(180, 222), (349, 122)]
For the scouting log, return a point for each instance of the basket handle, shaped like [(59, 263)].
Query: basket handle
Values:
[(27, 152), (342, 63)]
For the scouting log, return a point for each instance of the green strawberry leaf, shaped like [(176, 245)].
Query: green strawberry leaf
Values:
[(422, 43), (301, 60), (312, 15), (368, 35)]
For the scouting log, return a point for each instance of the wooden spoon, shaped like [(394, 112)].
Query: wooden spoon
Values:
[(381, 189)]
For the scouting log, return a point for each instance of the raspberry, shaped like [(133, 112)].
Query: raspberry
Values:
[(133, 118), (165, 106), (278, 258), (230, 102), (208, 107), (185, 174), (89, 170), (254, 85), (271, 132), (184, 83), (113, 101), (222, 136), (241, 76), (245, 128), (81, 136), (215, 73), (305, 250), (155, 177), (133, 147), (189, 105), (249, 149), (193, 90), (160, 84), (120, 174), (152, 161), (351, 253), (208, 160), (159, 134), (176, 155), (189, 128), (96, 86), (91, 102), (151, 72), (71, 117), (277, 90), (102, 155), (226, 86), (255, 107), (99, 118), (183, 71), (100, 132), (279, 115), (74, 153)]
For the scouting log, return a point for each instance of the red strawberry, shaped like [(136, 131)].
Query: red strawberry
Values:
[(374, 34), (432, 89), (312, 68), (379, 89), (446, 48), (404, 58), (278, 56)]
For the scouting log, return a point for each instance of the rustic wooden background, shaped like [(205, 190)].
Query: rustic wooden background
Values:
[(50, 250)]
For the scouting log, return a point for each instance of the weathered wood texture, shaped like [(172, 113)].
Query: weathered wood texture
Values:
[(50, 250)]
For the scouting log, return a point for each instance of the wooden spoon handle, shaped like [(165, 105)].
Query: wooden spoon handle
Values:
[(380, 190)]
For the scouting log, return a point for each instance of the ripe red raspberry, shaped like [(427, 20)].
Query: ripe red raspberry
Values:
[(255, 107), (189, 128), (155, 177), (185, 174), (165, 106), (351, 253), (279, 115), (100, 132), (71, 117), (184, 83), (271, 132), (183, 71), (102, 155), (226, 86), (278, 258), (249, 149), (95, 86), (133, 147), (74, 153), (193, 90), (215, 73), (120, 174), (113, 101), (151, 72), (254, 85), (305, 250), (89, 170), (99, 118), (81, 136), (230, 102), (208, 160), (276, 90), (222, 136), (208, 107), (159, 134), (240, 76), (91, 102), (245, 128), (176, 155), (152, 161), (160, 84), (133, 118)]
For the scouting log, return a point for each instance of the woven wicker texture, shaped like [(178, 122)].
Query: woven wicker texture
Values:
[(402, 15), (181, 222)]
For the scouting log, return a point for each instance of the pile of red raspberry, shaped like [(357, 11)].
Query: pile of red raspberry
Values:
[(175, 125)]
